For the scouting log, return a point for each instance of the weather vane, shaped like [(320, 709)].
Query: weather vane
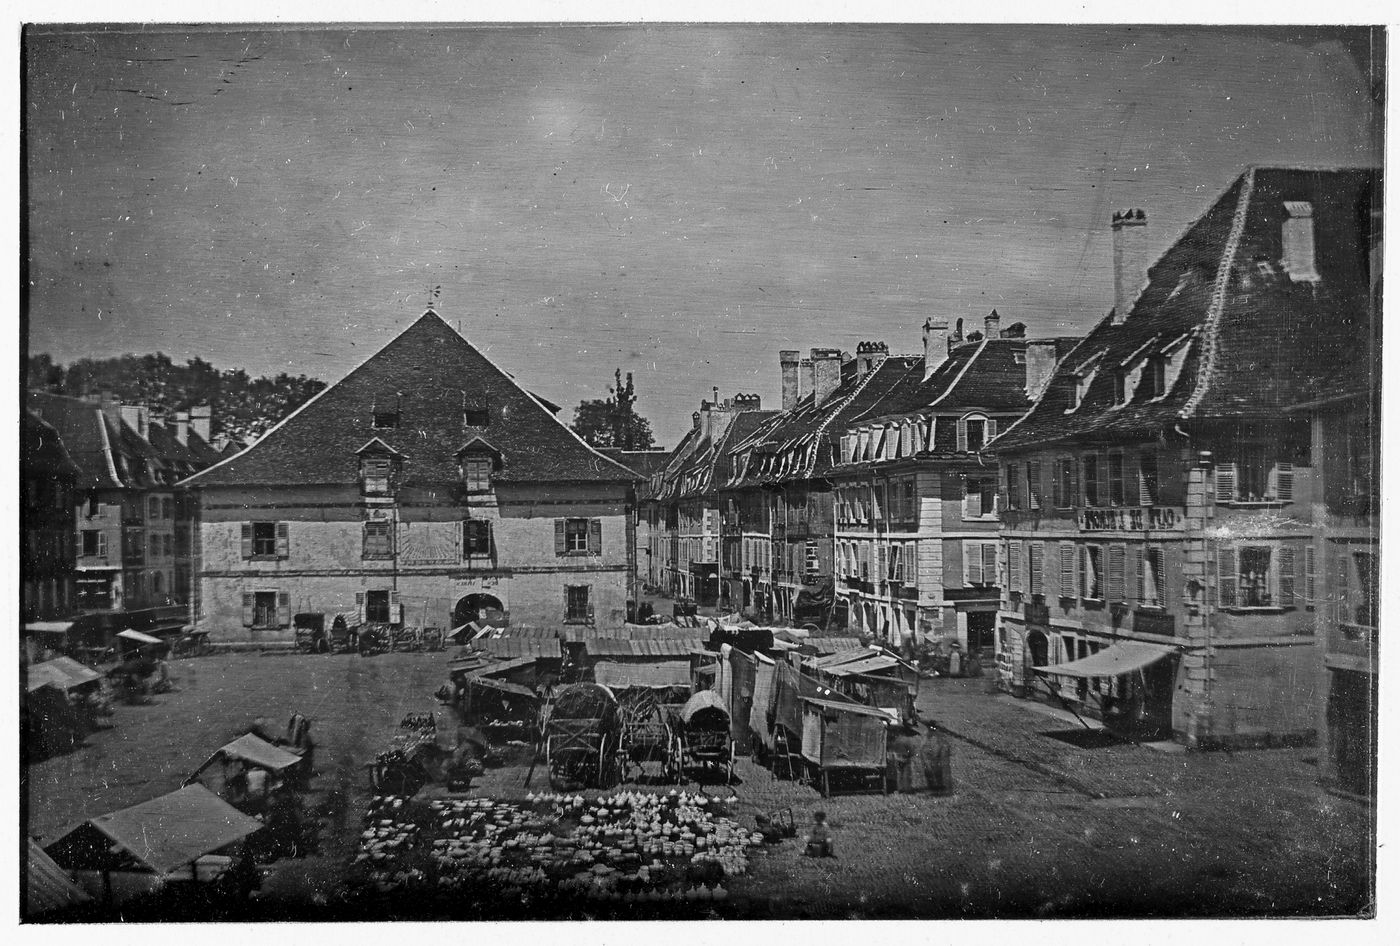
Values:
[(434, 294)]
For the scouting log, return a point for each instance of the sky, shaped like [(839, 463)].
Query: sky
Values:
[(680, 202)]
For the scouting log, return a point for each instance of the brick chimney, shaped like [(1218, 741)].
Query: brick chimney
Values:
[(792, 382), (956, 338), (201, 421), (1129, 260), (935, 345), (1299, 246), (826, 373), (869, 355), (1042, 356), (993, 325), (138, 418), (182, 426)]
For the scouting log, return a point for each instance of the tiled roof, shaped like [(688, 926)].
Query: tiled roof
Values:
[(85, 433), (1245, 338), (799, 441), (44, 454), (430, 375), (702, 463), (641, 462)]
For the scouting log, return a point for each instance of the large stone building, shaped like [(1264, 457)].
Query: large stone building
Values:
[(427, 487), (48, 555), (915, 499), (1160, 500), (133, 545)]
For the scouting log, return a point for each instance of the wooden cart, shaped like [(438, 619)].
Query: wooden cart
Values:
[(702, 736), (844, 739), (580, 737)]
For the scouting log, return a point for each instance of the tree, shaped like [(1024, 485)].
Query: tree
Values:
[(612, 421)]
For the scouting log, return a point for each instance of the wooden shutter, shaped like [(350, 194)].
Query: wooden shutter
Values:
[(1117, 556), (395, 608), (247, 537), (1309, 576), (1013, 565), (284, 609), (1067, 570), (559, 546), (962, 436), (972, 502), (1286, 590), (972, 555), (1033, 486), (595, 536), (1283, 482), (881, 563), (360, 606), (1139, 581), (248, 600), (989, 563), (1084, 588), (1035, 566), (1224, 482), (991, 431), (282, 540), (1071, 483), (1226, 577)]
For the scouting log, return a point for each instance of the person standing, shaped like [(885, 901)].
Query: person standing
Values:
[(936, 755)]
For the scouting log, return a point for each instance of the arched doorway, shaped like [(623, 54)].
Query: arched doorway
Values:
[(482, 608)]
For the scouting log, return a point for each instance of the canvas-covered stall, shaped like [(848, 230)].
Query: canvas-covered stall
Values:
[(48, 890), (761, 706), (500, 696), (580, 736), (644, 691), (874, 678), (188, 843), (246, 771), (843, 739)]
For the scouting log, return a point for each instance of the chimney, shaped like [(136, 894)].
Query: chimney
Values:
[(993, 325), (1129, 260), (747, 402), (826, 373), (809, 378), (869, 355), (138, 418), (1299, 249), (182, 426), (201, 421), (1014, 330), (1042, 356), (792, 385), (956, 338), (935, 345)]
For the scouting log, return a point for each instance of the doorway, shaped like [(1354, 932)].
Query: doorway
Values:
[(481, 608), (981, 632)]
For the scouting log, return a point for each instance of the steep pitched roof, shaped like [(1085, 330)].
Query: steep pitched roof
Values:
[(44, 454), (985, 375), (86, 436), (705, 464), (799, 441), (1243, 337), (427, 373)]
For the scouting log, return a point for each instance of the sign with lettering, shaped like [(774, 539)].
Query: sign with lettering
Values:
[(1133, 519)]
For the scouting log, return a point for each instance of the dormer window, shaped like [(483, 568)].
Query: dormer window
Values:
[(1156, 379), (476, 473), (1120, 387), (377, 475), (386, 420), (475, 417)]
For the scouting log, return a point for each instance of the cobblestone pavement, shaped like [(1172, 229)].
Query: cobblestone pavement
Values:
[(1036, 826)]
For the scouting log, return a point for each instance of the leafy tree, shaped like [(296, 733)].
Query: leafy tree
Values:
[(612, 421), (243, 408)]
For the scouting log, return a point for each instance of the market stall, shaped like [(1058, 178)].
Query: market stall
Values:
[(843, 739), (246, 772), (703, 738), (187, 841), (580, 736)]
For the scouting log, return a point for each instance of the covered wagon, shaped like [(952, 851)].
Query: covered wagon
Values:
[(580, 736), (845, 740)]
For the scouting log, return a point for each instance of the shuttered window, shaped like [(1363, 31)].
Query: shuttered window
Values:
[(1033, 485), (578, 607), (476, 537), (1147, 478), (1013, 566), (1067, 570), (1151, 577), (1117, 560), (989, 563), (1091, 572), (267, 609), (264, 540), (1310, 577), (1035, 567), (972, 556), (578, 537), (1115, 479), (1013, 486), (1286, 580), (1225, 577), (1224, 482), (378, 539)]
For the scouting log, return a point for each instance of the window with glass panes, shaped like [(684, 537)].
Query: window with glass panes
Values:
[(1115, 479), (1091, 572), (1090, 464), (476, 537), (476, 473), (1013, 486)]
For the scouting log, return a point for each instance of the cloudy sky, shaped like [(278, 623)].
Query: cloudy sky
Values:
[(680, 202)]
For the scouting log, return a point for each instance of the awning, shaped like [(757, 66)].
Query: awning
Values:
[(865, 665), (857, 709), (668, 673), (257, 751), (1113, 661), (48, 886), (48, 627), (63, 672), (515, 689), (166, 832), (139, 637)]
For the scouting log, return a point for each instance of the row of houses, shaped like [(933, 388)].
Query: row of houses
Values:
[(108, 529), (1174, 514)]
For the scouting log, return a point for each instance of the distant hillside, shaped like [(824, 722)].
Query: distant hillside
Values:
[(244, 407)]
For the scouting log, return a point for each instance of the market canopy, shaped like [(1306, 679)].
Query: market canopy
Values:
[(515, 689), (159, 835), (667, 673), (48, 627), (858, 709), (1113, 661), (62, 672), (258, 751), (863, 665), (139, 637)]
